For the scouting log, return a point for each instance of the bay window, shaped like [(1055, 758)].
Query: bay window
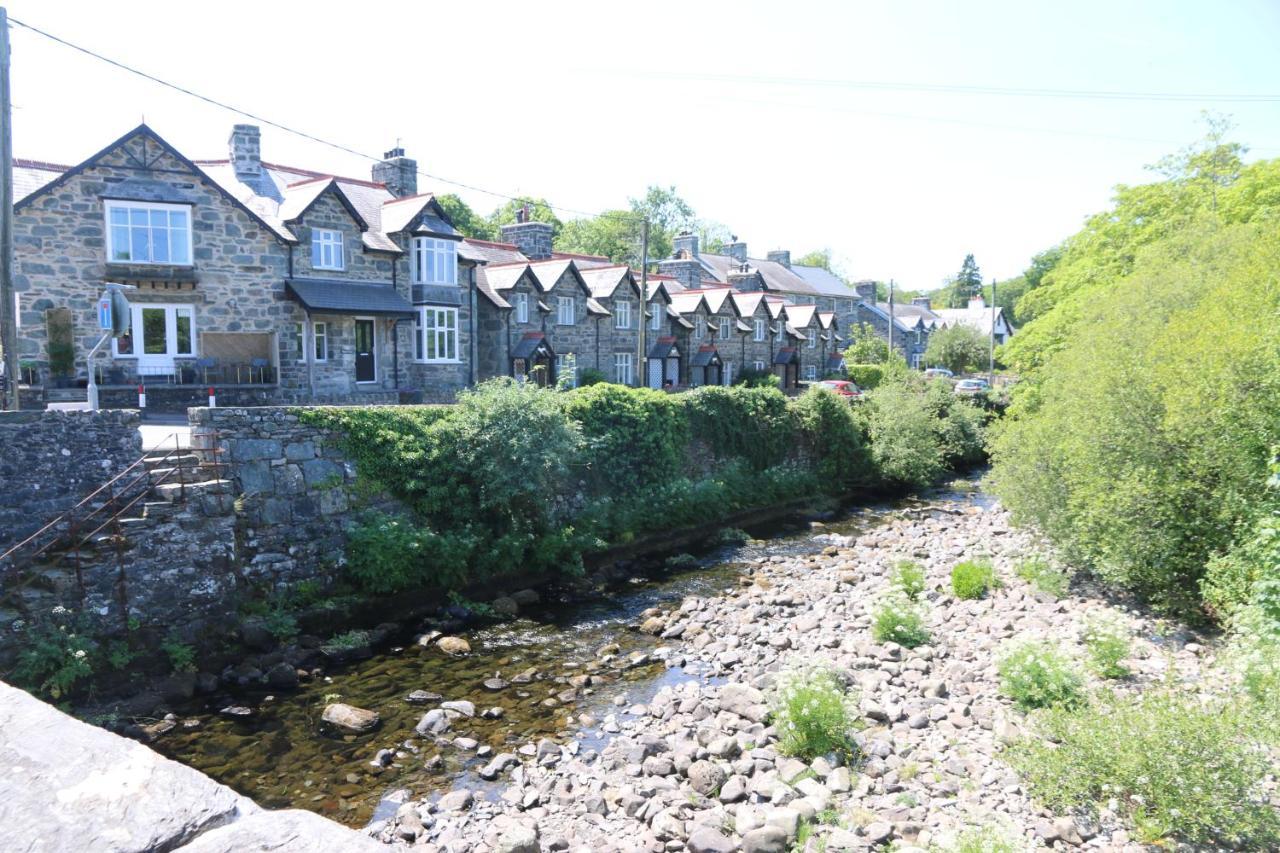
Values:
[(434, 261), (148, 233), (436, 334)]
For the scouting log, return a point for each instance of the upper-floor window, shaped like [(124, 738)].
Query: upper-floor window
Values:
[(724, 328), (622, 315), (566, 314), (813, 339), (699, 325), (522, 307), (434, 261), (147, 233), (655, 319), (760, 329), (326, 249)]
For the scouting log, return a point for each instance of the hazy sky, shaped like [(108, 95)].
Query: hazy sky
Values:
[(749, 109)]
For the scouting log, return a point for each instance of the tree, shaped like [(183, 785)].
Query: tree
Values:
[(668, 214), (540, 210), (713, 236), (817, 258), (866, 346), (614, 234), (466, 220), (966, 284), (958, 348)]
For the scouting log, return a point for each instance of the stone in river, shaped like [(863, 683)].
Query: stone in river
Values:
[(453, 646), (422, 697), (350, 717), (496, 684), (236, 711), (461, 706), (492, 713), (434, 722)]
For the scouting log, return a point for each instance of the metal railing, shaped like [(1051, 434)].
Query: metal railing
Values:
[(74, 531)]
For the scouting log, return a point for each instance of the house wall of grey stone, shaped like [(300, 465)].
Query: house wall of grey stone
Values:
[(908, 344), (49, 461), (492, 355)]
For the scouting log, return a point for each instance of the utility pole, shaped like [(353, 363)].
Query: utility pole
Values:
[(8, 304), (642, 364), (890, 318), (991, 363)]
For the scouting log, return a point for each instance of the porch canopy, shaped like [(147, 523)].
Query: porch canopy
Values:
[(706, 356), (835, 361), (786, 355), (334, 296), (664, 348), (532, 344)]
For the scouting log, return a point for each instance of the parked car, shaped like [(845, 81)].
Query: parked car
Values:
[(938, 373), (842, 387), (970, 387)]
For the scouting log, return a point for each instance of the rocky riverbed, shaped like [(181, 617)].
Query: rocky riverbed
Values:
[(695, 766)]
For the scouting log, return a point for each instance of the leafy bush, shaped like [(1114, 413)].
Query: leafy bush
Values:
[(813, 713), (58, 651), (904, 442), (899, 620), (752, 378), (1176, 767), (387, 555), (865, 376), (908, 576), (634, 436), (986, 839), (346, 641), (591, 376), (1250, 570), (1039, 573), (972, 578), (182, 656), (959, 348), (752, 424), (834, 439), (1036, 675), (1107, 642)]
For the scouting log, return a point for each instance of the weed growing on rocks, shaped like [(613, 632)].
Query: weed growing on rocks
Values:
[(899, 620), (1176, 767), (813, 712), (59, 651), (972, 578), (1108, 644), (1040, 574), (985, 839), (1035, 675), (908, 576)]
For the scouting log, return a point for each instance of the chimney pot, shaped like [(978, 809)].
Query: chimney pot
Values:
[(736, 249), (685, 245)]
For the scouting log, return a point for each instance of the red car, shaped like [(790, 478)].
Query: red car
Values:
[(842, 387)]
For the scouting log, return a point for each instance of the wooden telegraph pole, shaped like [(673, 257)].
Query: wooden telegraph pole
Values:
[(8, 304), (991, 362)]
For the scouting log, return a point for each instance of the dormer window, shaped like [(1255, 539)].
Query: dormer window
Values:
[(326, 249), (724, 328), (149, 233), (698, 326), (434, 261), (655, 320), (522, 307), (760, 329), (622, 315)]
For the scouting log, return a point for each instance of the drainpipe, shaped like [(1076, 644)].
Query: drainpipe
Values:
[(308, 347), (510, 364), (473, 347), (598, 319)]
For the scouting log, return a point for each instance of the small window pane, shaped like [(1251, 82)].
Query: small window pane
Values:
[(154, 334), (183, 323), (120, 241), (119, 216), (138, 245)]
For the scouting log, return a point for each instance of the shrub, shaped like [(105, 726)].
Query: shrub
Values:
[(908, 576), (972, 578), (751, 424), (346, 641), (834, 440), (1043, 576), (387, 554), (182, 656), (1036, 675), (1107, 642), (898, 620), (1176, 767), (958, 348), (986, 839), (633, 436), (752, 378), (813, 713), (865, 376), (904, 443), (58, 651), (589, 376)]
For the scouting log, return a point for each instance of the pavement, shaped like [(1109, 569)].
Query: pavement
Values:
[(158, 431)]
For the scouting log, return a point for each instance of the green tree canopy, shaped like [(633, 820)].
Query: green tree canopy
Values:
[(540, 210), (614, 234), (466, 220), (958, 348), (866, 346)]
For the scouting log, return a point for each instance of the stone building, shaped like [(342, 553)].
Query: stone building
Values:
[(269, 282), (913, 322)]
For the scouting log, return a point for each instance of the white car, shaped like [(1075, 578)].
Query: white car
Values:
[(970, 387)]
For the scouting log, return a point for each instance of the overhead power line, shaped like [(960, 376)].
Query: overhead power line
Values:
[(294, 131)]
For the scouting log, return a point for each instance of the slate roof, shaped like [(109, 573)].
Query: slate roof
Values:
[(705, 355), (663, 348), (489, 252), (977, 318), (801, 315), (776, 276), (31, 175), (786, 355), (604, 280), (824, 281), (529, 344), (334, 296)]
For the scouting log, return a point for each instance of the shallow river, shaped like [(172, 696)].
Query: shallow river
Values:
[(282, 758)]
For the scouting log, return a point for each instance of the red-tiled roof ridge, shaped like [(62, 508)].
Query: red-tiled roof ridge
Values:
[(41, 164), (309, 181), (408, 198), (667, 339), (494, 243), (532, 336)]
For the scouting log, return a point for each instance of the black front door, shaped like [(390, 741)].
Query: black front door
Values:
[(366, 366)]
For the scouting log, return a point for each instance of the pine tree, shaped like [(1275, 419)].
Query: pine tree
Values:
[(967, 284)]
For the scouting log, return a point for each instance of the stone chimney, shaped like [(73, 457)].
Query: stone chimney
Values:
[(923, 302), (781, 256), (684, 245), (398, 172), (533, 239), (687, 271), (866, 291), (977, 303), (736, 249), (743, 277), (246, 152)]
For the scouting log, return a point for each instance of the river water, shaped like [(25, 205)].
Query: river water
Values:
[(282, 757)]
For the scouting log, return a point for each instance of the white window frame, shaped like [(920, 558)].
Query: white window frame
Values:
[(442, 335), (522, 307), (699, 328), (757, 366), (624, 368), (171, 310), (655, 322), (811, 372), (622, 314), (433, 261), (128, 207), (566, 305), (813, 339), (761, 329), (724, 328), (319, 340), (916, 358), (328, 241)]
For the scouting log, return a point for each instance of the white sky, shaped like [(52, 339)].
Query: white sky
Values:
[(587, 103)]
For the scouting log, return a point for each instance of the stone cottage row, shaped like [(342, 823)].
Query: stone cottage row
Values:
[(274, 283)]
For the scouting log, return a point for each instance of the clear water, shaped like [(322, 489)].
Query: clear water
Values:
[(282, 757)]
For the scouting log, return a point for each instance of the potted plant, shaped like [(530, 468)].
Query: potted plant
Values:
[(61, 363)]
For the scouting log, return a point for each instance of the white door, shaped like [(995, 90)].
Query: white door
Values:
[(655, 373), (161, 333)]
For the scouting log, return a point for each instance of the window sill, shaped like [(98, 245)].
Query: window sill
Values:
[(328, 269), (437, 361)]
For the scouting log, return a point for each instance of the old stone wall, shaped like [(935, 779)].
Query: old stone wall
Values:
[(49, 461)]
